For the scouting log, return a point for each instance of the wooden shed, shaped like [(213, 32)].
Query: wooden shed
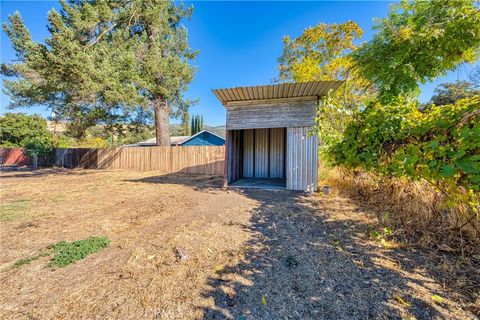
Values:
[(267, 139)]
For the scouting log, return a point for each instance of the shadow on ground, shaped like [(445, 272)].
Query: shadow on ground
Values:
[(196, 181), (310, 257), (27, 172), (300, 264)]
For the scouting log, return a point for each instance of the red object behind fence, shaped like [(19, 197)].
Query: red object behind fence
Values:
[(14, 157)]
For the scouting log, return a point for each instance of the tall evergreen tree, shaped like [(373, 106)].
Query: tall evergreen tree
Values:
[(185, 124), (197, 124), (193, 126), (104, 61)]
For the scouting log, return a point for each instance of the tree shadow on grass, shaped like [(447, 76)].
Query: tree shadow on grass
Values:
[(6, 173), (199, 182), (311, 257), (308, 259)]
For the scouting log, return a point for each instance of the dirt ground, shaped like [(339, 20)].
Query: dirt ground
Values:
[(182, 247)]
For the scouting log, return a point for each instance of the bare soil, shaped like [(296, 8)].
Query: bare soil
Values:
[(183, 247)]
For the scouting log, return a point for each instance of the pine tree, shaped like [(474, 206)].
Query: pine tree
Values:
[(201, 123), (193, 125), (185, 125), (105, 61)]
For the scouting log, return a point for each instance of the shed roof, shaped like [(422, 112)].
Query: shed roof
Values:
[(276, 91)]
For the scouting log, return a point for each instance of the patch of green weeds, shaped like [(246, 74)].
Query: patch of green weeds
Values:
[(383, 236), (28, 260), (13, 210), (66, 253)]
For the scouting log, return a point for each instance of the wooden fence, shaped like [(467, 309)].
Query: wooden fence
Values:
[(192, 159), (14, 157)]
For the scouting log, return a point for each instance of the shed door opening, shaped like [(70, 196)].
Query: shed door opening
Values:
[(257, 158)]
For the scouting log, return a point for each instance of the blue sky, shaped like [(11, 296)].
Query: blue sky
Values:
[(239, 42)]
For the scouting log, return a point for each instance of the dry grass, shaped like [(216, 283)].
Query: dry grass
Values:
[(184, 248), (416, 208), (419, 216)]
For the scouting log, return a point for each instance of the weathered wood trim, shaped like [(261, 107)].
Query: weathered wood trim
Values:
[(292, 114), (246, 103)]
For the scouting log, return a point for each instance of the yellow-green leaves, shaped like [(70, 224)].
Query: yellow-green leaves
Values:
[(322, 53), (436, 298)]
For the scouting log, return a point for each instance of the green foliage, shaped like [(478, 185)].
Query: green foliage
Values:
[(185, 125), (30, 132), (385, 232), (450, 93), (440, 144), (332, 117), (66, 253), (197, 124), (417, 42), (137, 134), (19, 130), (323, 53), (28, 260), (105, 62)]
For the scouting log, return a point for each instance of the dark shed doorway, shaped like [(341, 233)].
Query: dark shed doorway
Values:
[(257, 158)]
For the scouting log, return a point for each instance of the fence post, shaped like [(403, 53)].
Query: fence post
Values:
[(35, 161)]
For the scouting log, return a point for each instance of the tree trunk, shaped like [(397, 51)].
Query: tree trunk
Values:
[(162, 129)]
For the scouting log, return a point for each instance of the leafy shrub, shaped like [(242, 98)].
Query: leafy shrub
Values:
[(27, 131), (440, 144), (19, 130)]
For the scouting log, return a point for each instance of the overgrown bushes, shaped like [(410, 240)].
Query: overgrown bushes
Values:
[(440, 144)]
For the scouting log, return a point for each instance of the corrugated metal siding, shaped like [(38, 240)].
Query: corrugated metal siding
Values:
[(234, 168), (276, 91), (272, 115), (261, 153), (277, 153), (302, 159), (248, 153), (264, 153)]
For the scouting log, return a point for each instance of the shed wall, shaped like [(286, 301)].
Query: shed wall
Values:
[(302, 159), (261, 153), (271, 115), (264, 153), (248, 153), (277, 153)]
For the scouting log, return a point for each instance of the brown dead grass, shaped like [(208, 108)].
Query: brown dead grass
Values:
[(184, 248), (419, 216)]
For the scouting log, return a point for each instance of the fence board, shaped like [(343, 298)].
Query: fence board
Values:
[(188, 159), (14, 156)]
